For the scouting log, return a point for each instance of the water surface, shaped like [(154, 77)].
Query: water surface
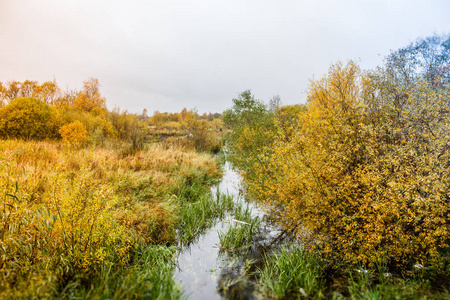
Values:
[(201, 265)]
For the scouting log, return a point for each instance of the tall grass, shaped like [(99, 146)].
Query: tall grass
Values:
[(150, 276), (239, 235), (195, 217), (291, 272), (75, 221), (374, 284)]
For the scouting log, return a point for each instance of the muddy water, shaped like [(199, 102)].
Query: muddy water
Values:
[(206, 273)]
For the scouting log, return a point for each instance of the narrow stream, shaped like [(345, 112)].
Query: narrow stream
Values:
[(202, 269)]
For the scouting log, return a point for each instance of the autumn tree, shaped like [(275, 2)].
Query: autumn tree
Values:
[(129, 128), (183, 113), (89, 97), (144, 115), (361, 172), (28, 118), (251, 129), (73, 134), (66, 100), (274, 103), (287, 118), (47, 92), (11, 90), (158, 118), (27, 88)]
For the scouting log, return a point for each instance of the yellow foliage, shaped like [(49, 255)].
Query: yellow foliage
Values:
[(70, 213), (363, 180), (73, 134), (47, 92), (217, 124), (29, 119), (89, 98)]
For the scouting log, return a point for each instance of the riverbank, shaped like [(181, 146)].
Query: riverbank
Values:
[(358, 175), (99, 222), (200, 263), (265, 266)]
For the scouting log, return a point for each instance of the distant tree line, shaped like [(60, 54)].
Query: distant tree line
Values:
[(33, 111)]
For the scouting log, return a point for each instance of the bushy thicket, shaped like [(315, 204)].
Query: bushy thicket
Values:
[(28, 118), (30, 111), (361, 171), (36, 112)]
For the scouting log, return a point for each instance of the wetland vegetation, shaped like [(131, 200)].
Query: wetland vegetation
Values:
[(346, 196), (357, 178), (95, 203)]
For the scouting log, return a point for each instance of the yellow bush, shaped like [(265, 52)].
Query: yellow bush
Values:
[(29, 119), (57, 220), (67, 215), (362, 175), (74, 133)]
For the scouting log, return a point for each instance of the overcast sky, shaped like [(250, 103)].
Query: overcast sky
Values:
[(168, 54)]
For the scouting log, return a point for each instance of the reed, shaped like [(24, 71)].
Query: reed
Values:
[(197, 216), (291, 272), (76, 221), (243, 227)]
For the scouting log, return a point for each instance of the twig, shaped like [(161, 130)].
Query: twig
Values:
[(285, 232), (241, 222)]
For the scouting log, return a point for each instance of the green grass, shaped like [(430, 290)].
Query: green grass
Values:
[(295, 273), (149, 276), (291, 272), (196, 216), (364, 284), (239, 235)]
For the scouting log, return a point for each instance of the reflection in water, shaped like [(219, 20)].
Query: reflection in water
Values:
[(199, 265), (203, 271)]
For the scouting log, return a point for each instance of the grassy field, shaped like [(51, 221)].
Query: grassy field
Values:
[(293, 272), (99, 222)]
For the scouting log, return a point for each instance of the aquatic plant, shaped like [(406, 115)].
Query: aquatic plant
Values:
[(198, 215), (291, 272), (242, 229), (75, 220)]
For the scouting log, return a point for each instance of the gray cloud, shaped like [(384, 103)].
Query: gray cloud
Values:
[(165, 55)]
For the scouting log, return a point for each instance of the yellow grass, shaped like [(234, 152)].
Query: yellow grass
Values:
[(67, 212)]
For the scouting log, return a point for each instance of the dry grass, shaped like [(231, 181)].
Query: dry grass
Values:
[(68, 212)]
